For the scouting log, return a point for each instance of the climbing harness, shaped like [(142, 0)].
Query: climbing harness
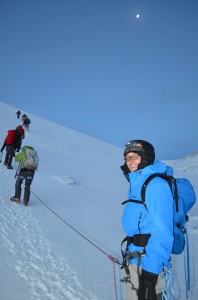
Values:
[(138, 240)]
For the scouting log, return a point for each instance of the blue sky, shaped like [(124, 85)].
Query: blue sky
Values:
[(94, 67)]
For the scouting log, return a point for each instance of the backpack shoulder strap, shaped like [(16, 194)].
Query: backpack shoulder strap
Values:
[(171, 181), (172, 184), (143, 190)]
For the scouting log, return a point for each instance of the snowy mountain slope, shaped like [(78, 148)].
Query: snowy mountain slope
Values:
[(78, 186), (189, 163), (91, 204)]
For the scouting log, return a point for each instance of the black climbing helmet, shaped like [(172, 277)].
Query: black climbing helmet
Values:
[(144, 149)]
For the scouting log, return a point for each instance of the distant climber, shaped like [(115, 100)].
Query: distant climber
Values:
[(18, 113), (12, 143), (26, 122), (28, 164)]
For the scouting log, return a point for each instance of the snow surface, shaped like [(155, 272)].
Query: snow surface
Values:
[(59, 247)]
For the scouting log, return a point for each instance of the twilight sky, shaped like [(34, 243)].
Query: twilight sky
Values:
[(94, 67)]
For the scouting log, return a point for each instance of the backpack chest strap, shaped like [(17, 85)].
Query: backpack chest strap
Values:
[(132, 200)]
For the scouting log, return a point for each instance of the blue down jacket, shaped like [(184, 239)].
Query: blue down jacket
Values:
[(156, 220)]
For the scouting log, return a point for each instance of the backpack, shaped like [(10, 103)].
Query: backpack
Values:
[(30, 159), (10, 138), (184, 198)]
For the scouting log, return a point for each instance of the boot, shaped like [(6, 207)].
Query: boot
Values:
[(15, 199), (9, 167)]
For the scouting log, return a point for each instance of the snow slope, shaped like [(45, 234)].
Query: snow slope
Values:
[(59, 246)]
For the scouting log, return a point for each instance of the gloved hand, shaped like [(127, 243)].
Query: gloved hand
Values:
[(147, 285)]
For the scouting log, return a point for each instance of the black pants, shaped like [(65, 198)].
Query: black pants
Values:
[(28, 176), (10, 153)]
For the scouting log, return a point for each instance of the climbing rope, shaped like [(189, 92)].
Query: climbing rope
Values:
[(113, 259), (114, 274)]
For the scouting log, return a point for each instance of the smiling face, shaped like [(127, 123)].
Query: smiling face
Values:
[(132, 161)]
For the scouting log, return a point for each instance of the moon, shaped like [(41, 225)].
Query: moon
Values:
[(137, 16)]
